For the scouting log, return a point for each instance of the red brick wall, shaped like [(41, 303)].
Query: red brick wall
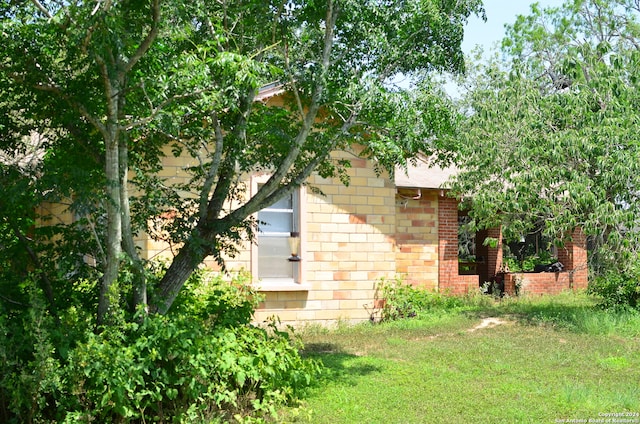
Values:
[(537, 282), (417, 238), (448, 278)]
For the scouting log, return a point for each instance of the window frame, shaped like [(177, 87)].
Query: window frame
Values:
[(297, 283)]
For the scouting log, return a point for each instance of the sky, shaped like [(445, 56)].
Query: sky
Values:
[(499, 13)]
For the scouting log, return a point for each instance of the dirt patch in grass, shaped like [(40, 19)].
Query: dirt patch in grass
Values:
[(489, 323), (485, 324)]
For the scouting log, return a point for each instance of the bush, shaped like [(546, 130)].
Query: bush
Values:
[(618, 290), (168, 369), (32, 345), (529, 262), (193, 365), (206, 296)]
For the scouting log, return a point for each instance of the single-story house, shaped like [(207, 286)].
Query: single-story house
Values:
[(353, 236)]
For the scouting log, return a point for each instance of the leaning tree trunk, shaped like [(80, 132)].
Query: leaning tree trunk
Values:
[(180, 270)]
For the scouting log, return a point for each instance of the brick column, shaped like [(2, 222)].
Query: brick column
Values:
[(573, 255), (448, 278), (494, 254), (447, 242)]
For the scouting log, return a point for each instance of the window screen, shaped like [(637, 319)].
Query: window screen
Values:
[(275, 225)]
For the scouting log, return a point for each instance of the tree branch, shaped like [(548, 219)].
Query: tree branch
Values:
[(292, 81), (42, 8), (276, 178), (227, 172), (157, 109), (94, 233), (213, 168), (79, 107), (148, 40)]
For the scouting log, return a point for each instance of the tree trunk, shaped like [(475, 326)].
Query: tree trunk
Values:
[(139, 282), (114, 225), (180, 270)]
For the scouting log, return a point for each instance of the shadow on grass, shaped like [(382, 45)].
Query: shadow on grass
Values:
[(339, 366)]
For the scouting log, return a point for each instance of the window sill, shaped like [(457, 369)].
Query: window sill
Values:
[(280, 286)]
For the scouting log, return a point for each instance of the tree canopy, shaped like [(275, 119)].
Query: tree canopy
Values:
[(549, 141), (108, 86)]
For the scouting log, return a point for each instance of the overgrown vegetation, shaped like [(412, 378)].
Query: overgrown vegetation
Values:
[(560, 101), (202, 362), (401, 300), (524, 256), (98, 98), (618, 289)]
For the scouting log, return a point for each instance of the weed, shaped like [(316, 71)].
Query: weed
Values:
[(401, 300)]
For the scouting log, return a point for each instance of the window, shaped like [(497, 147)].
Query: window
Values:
[(270, 263), (276, 223)]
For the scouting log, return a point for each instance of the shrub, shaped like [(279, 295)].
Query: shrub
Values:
[(529, 262), (192, 365), (31, 364), (177, 369), (618, 289), (207, 296)]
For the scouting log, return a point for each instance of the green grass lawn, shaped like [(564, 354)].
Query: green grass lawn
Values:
[(553, 360)]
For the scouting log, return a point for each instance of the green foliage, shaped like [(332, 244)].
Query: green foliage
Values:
[(193, 365), (112, 89), (179, 368), (529, 251), (548, 136), (223, 303), (30, 362), (528, 262), (618, 289), (403, 300)]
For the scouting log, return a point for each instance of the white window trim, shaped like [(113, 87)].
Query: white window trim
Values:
[(298, 283)]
